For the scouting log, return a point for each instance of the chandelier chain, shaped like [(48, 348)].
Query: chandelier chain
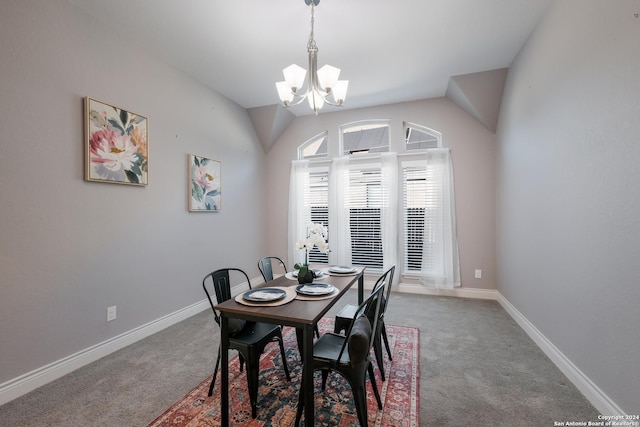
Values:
[(311, 44)]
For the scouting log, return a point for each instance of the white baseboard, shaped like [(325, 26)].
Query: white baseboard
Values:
[(588, 388), (411, 288), (30, 381)]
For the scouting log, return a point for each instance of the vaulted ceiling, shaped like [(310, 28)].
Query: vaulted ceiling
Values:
[(390, 51)]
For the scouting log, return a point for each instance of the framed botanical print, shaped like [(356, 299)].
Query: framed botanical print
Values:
[(116, 145), (204, 184)]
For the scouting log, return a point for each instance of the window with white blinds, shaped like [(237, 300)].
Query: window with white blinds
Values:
[(318, 198), (364, 199), (424, 210), (382, 209), (428, 213), (415, 197)]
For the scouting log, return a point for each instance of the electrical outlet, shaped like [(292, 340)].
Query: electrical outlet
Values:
[(111, 313), (478, 273)]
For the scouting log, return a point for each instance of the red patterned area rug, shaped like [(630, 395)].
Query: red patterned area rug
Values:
[(278, 399)]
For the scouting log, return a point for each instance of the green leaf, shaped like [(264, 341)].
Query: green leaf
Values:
[(124, 117), (132, 177), (116, 125)]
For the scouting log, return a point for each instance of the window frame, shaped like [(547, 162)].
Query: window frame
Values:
[(407, 126)]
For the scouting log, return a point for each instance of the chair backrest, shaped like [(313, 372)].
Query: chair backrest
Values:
[(386, 281), (389, 279), (266, 267), (371, 306), (220, 282)]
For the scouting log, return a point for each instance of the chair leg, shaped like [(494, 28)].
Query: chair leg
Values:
[(284, 359), (374, 386), (386, 341), (377, 349), (241, 359), (339, 324), (325, 375), (252, 383), (300, 406), (360, 397), (215, 371)]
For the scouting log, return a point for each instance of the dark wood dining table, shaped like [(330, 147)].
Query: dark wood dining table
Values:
[(301, 314)]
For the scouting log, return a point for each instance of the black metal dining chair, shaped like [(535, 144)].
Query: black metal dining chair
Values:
[(248, 338), (266, 264), (266, 267), (349, 355), (345, 316)]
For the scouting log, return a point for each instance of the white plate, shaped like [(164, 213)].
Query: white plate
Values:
[(340, 269), (315, 289), (264, 295)]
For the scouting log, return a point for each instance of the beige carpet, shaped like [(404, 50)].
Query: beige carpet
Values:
[(477, 368)]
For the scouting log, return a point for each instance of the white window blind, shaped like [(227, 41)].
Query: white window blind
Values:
[(429, 237), (318, 198), (308, 203), (414, 204), (364, 200), (363, 208)]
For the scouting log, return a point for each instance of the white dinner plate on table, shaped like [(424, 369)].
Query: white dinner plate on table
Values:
[(315, 289), (340, 269), (264, 295)]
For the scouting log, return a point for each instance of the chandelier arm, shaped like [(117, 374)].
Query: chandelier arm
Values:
[(299, 99)]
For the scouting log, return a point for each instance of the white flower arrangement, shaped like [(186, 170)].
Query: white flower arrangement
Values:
[(317, 235)]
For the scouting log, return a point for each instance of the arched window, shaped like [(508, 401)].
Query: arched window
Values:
[(370, 136), (316, 147), (418, 137)]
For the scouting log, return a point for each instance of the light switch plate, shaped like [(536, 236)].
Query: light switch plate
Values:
[(111, 313)]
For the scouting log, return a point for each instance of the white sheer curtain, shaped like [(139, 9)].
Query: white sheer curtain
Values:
[(440, 224), (339, 244), (340, 206), (299, 208), (389, 168)]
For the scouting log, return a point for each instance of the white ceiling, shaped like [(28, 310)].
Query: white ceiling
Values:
[(390, 51)]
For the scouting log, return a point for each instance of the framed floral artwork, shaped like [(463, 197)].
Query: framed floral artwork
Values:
[(116, 146), (204, 184)]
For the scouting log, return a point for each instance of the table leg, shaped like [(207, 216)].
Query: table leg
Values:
[(224, 371), (307, 374), (361, 288)]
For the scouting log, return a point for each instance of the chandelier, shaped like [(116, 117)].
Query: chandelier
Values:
[(320, 84)]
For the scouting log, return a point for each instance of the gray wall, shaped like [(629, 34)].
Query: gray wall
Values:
[(472, 147), (70, 248), (568, 212)]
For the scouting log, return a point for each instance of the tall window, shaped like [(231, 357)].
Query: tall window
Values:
[(308, 203), (362, 196), (365, 203), (364, 210), (319, 208), (428, 211), (414, 207)]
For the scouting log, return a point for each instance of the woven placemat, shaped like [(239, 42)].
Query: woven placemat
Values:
[(291, 295)]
